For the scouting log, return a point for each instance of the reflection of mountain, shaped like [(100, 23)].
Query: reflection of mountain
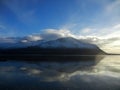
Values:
[(73, 75), (63, 48)]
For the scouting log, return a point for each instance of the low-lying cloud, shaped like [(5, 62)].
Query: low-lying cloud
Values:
[(107, 39)]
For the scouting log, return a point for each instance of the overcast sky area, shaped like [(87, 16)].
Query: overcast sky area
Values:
[(95, 21)]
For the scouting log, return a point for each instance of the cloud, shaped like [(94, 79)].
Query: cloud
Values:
[(107, 39), (59, 33), (6, 31), (7, 40), (113, 6), (117, 26), (86, 30), (24, 12), (111, 12), (2, 27), (50, 34), (33, 38)]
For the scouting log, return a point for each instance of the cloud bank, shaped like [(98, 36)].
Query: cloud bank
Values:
[(107, 39)]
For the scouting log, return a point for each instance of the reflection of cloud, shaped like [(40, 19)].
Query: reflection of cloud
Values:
[(7, 68), (69, 74), (77, 72), (55, 71), (31, 71)]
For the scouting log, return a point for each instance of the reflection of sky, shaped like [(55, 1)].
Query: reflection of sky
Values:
[(105, 75)]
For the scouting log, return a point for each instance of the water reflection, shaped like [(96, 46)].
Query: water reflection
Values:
[(73, 75)]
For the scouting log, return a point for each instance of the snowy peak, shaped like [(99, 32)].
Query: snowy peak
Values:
[(67, 42), (61, 46)]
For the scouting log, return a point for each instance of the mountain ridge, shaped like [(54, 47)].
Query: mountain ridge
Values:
[(62, 45), (60, 49), (66, 42)]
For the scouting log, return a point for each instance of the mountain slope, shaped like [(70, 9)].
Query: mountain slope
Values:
[(61, 46), (67, 42), (60, 49)]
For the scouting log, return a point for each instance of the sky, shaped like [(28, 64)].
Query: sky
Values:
[(97, 21)]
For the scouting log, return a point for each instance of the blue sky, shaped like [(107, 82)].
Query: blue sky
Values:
[(30, 16), (79, 18), (24, 17)]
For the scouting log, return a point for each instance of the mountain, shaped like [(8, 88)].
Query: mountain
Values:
[(59, 49), (63, 45), (67, 42)]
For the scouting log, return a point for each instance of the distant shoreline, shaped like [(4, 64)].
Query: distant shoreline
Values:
[(112, 54)]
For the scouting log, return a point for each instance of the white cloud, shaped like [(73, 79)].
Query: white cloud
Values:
[(117, 26), (86, 30), (52, 34), (34, 38), (49, 34), (24, 41), (115, 5), (107, 39)]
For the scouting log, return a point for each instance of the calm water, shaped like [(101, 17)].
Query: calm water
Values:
[(61, 75)]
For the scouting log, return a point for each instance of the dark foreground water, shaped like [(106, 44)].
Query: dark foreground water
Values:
[(21, 75)]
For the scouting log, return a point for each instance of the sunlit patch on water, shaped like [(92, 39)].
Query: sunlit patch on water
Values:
[(78, 75), (109, 66)]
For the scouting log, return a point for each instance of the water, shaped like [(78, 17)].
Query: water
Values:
[(22, 75)]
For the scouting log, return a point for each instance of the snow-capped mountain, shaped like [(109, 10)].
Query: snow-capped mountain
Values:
[(59, 49), (67, 42)]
